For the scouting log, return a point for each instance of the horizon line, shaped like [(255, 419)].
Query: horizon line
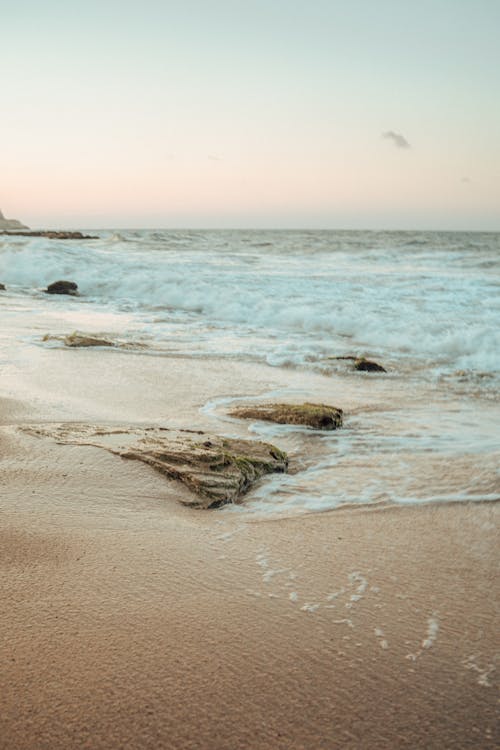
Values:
[(89, 227)]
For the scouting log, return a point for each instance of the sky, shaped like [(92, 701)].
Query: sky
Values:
[(261, 113)]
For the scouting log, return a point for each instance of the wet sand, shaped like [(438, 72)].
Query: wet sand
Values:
[(129, 621)]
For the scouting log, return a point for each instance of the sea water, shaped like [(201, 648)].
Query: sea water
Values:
[(426, 305)]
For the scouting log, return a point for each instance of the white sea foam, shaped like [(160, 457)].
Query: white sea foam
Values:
[(352, 293), (426, 305), (483, 672), (432, 632)]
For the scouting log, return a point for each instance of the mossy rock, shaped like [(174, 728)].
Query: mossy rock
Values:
[(76, 339), (319, 416), (217, 470)]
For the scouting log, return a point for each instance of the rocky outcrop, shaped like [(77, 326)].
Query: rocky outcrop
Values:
[(319, 416), (10, 224), (217, 470), (51, 234), (366, 365), (80, 339), (83, 340), (362, 364), (2, 287), (63, 287), (76, 340)]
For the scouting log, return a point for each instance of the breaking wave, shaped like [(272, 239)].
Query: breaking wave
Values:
[(295, 297)]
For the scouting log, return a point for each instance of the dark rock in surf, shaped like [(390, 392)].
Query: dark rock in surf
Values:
[(319, 416), (366, 365), (63, 287), (2, 287)]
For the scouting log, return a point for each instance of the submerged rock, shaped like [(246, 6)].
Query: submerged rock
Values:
[(62, 287), (217, 470), (320, 416), (366, 365)]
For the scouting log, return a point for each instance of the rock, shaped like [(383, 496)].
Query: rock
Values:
[(360, 363), (366, 365), (81, 339), (51, 234), (2, 287), (63, 287), (217, 470), (319, 416), (77, 339)]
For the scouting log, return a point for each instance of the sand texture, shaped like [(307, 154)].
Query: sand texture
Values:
[(130, 621)]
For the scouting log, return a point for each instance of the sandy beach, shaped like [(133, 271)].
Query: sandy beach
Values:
[(250, 375), (131, 621)]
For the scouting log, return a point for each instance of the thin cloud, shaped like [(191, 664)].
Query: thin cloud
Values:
[(398, 139)]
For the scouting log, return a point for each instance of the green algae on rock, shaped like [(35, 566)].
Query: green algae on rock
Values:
[(319, 416), (217, 470)]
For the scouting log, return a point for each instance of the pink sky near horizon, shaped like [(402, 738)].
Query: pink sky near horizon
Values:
[(265, 116)]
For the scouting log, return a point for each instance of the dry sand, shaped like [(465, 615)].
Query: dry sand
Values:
[(130, 621)]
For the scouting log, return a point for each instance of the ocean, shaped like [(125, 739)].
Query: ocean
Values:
[(425, 305)]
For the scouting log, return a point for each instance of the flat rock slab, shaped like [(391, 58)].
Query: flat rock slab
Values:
[(82, 340), (75, 340), (319, 416), (52, 234), (217, 470)]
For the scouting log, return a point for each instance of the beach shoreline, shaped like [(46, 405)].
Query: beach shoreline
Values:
[(340, 605), (132, 621)]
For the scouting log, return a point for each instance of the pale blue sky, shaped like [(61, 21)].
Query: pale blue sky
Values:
[(251, 113)]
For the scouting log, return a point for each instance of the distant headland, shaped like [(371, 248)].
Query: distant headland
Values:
[(10, 224), (15, 227)]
